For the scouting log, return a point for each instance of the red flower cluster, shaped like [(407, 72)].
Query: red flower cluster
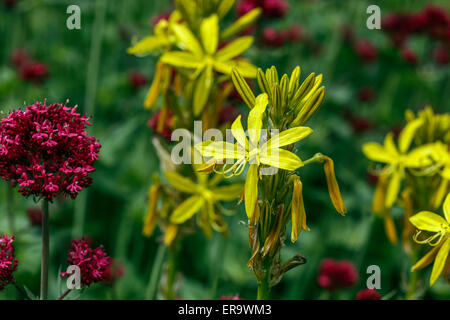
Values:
[(113, 272), (35, 216), (368, 294), (335, 275), (164, 129), (137, 79), (93, 263), (228, 114), (432, 21), (270, 37), (46, 150), (270, 8), (8, 263), (29, 70), (366, 50), (10, 3), (162, 16)]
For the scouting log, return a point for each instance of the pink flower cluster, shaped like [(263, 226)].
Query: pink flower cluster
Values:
[(94, 263), (47, 151), (271, 37), (335, 275), (368, 294), (270, 8), (8, 263), (29, 69), (432, 21)]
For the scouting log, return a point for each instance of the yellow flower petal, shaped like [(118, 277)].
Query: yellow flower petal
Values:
[(180, 183), (251, 190), (298, 213), (239, 133), (220, 150), (153, 92), (151, 217), (426, 259), (171, 233), (243, 88), (241, 24), (393, 187), (228, 193), (148, 44), (186, 209), (255, 119), (234, 48), (389, 227), (376, 152), (187, 38), (407, 134), (281, 158), (182, 59), (333, 187), (288, 137), (439, 262), (389, 144), (202, 89), (428, 221), (209, 30), (447, 208)]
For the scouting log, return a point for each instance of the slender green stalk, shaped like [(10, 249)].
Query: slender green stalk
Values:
[(171, 272), (89, 101), (413, 278), (45, 250), (9, 208), (155, 275), (263, 284), (65, 293)]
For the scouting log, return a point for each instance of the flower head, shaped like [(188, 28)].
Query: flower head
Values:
[(440, 240), (398, 159), (368, 294), (93, 263), (335, 275), (47, 151), (8, 262), (253, 152), (33, 71), (35, 216)]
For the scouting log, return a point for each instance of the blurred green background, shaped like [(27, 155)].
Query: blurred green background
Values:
[(90, 68)]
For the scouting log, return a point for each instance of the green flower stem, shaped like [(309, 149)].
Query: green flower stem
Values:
[(9, 208), (65, 293), (263, 284), (171, 272), (413, 278), (156, 272), (45, 250)]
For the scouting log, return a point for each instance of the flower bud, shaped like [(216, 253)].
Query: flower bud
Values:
[(152, 214), (333, 187)]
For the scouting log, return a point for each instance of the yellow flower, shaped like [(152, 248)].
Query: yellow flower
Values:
[(398, 159), (204, 196), (204, 57), (250, 151), (163, 37), (441, 156), (432, 222)]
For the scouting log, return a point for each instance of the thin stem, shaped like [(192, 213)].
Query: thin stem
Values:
[(21, 291), (9, 208), (65, 293), (156, 272), (413, 278), (263, 284), (171, 272), (45, 250)]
